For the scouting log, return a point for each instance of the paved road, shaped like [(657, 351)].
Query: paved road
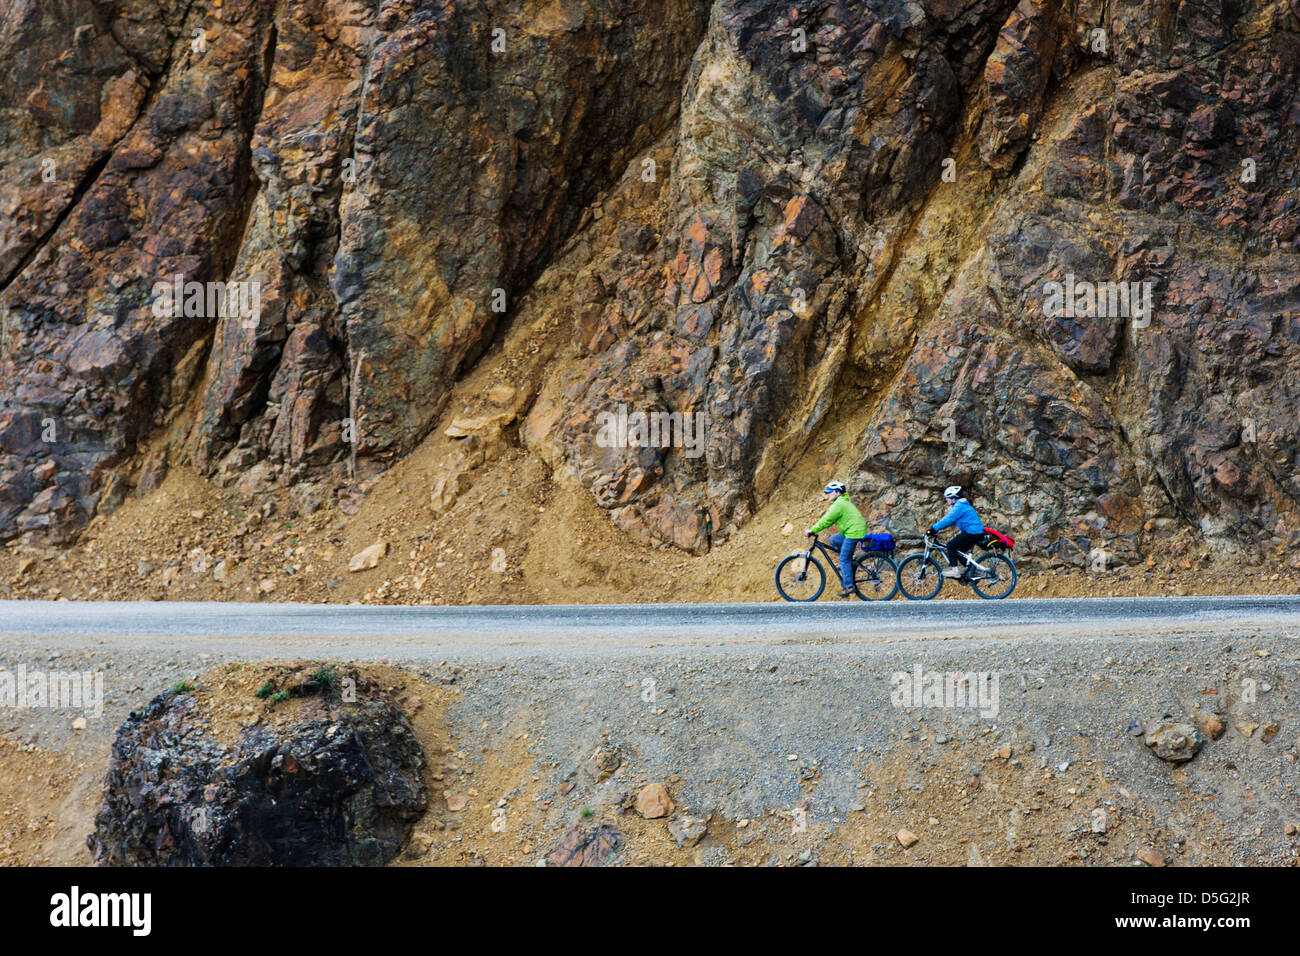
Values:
[(381, 629)]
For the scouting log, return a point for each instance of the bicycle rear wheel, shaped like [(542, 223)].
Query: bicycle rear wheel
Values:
[(998, 581), (800, 578), (875, 577), (919, 577)]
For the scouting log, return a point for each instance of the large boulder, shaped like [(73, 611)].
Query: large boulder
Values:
[(315, 781)]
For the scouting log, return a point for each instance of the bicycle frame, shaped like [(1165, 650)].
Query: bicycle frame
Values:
[(829, 553), (824, 550), (934, 544)]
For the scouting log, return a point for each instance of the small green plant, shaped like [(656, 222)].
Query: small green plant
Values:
[(326, 676), (182, 687), (280, 695), (588, 813), (265, 691)]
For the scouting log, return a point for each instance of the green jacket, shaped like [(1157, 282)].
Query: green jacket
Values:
[(845, 516)]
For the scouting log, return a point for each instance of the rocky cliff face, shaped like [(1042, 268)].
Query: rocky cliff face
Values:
[(1047, 250)]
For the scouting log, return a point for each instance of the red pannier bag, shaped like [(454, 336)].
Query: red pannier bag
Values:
[(997, 540)]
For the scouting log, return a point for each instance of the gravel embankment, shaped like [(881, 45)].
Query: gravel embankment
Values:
[(767, 731)]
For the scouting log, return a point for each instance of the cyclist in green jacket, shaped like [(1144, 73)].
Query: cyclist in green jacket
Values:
[(852, 528)]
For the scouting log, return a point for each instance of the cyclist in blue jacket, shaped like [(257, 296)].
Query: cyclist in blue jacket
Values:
[(970, 529)]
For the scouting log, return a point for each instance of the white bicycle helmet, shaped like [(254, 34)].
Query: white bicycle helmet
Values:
[(834, 486), (952, 491)]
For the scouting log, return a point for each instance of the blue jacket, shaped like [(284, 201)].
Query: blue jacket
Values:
[(963, 515)]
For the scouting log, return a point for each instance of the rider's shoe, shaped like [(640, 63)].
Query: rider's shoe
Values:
[(847, 592), (953, 572)]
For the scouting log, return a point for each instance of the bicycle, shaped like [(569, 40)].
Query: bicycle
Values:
[(920, 576), (800, 577)]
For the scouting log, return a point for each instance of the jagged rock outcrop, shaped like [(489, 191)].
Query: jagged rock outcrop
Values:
[(1050, 250), (389, 174), (809, 136), (1085, 428), (336, 784)]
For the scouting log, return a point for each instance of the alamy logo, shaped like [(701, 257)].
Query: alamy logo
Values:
[(74, 909), (619, 429), (918, 688), (211, 300), (56, 690), (1105, 300)]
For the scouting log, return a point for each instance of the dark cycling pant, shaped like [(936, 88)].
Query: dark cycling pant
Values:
[(963, 541), (845, 547)]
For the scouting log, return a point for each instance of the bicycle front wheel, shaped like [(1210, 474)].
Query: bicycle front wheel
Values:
[(998, 579), (875, 577), (800, 578), (919, 577)]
